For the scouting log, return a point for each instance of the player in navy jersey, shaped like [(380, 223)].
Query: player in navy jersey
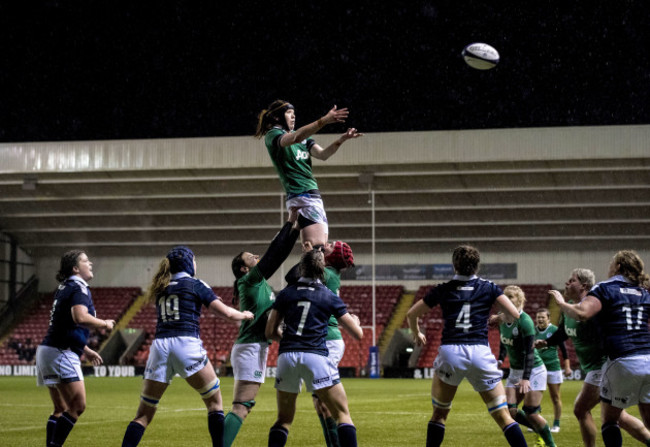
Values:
[(177, 347), (466, 301), (58, 362), (622, 304), (305, 309)]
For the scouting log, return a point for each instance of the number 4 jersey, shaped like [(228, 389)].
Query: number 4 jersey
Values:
[(466, 303), (623, 317)]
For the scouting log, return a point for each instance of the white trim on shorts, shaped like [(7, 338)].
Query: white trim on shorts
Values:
[(169, 356), (474, 362), (626, 381), (537, 378), (316, 370), (55, 366), (249, 361), (554, 377)]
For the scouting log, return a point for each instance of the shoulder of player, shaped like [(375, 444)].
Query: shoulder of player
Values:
[(77, 285)]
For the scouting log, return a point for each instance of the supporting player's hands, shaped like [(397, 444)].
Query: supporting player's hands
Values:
[(524, 386), (540, 344), (419, 339), (495, 320), (559, 299), (335, 116)]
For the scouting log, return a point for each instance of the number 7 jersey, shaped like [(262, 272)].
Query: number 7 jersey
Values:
[(466, 303), (623, 317)]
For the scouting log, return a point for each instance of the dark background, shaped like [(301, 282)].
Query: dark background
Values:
[(126, 70)]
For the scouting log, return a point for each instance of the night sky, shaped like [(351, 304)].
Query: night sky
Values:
[(91, 70)]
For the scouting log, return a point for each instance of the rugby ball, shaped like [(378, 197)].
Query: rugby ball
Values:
[(480, 56)]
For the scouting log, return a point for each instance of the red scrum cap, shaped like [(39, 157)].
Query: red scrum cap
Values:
[(341, 256)]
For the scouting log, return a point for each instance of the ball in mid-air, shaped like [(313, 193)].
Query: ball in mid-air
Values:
[(480, 56)]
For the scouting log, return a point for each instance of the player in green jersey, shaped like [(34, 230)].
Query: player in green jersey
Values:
[(586, 337), (291, 153), (250, 351), (527, 379), (543, 330)]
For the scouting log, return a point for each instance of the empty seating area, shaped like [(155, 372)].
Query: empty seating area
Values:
[(19, 348)]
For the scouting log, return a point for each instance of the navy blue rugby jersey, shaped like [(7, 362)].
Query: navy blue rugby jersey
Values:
[(466, 303), (306, 307), (63, 332), (179, 306), (623, 317)]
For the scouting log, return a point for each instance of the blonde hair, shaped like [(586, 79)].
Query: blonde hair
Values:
[(585, 276), (159, 282), (630, 265), (516, 295)]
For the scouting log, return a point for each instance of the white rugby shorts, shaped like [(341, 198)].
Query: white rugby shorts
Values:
[(626, 381), (537, 378), (249, 361), (554, 377), (311, 208), (594, 377), (184, 356), (316, 370), (474, 362), (54, 366), (336, 350)]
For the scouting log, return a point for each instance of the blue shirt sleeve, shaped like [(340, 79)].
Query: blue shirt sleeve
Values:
[(338, 306), (431, 299), (205, 293)]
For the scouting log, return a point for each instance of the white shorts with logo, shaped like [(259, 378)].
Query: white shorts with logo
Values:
[(474, 362), (537, 378), (54, 366), (249, 361), (184, 356), (311, 208), (316, 370), (554, 377), (336, 349), (626, 381), (594, 377)]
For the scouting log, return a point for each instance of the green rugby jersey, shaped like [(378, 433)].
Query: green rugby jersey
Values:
[(292, 163), (512, 336), (549, 354), (333, 282), (257, 296), (587, 340)]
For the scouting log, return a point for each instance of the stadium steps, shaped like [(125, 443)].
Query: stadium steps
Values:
[(396, 321), (138, 304)]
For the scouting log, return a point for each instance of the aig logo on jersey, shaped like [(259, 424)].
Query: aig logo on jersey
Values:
[(302, 155)]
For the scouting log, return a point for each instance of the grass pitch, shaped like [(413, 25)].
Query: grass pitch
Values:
[(387, 412)]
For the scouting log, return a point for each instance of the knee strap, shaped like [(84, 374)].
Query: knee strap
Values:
[(149, 401), (532, 410), (441, 405), (511, 406), (496, 404), (210, 389), (248, 404)]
